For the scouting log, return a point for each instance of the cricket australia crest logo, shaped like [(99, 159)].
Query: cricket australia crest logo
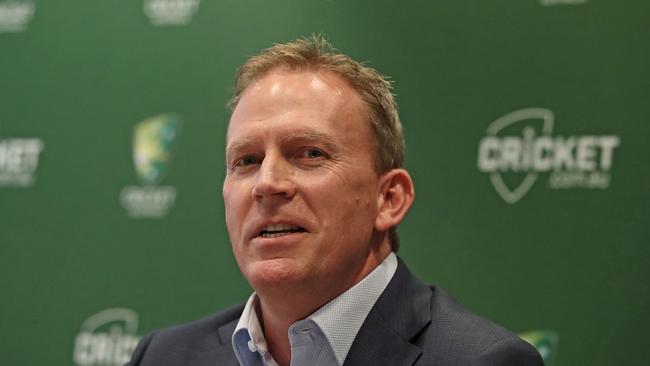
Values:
[(545, 342), (152, 147), (153, 140)]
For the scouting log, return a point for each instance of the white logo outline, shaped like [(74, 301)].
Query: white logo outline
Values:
[(129, 317), (548, 118)]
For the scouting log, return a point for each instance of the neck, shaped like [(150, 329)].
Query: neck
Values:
[(276, 332), (279, 308)]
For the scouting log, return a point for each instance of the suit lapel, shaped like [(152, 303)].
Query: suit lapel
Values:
[(222, 354), (400, 313), (385, 338)]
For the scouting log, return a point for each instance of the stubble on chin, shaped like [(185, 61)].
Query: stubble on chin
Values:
[(276, 275)]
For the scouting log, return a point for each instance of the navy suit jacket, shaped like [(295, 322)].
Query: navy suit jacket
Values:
[(411, 324)]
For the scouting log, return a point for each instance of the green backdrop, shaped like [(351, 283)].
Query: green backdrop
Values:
[(527, 128)]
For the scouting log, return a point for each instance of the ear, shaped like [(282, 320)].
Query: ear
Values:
[(395, 197)]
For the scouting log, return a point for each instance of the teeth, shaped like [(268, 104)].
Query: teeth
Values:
[(275, 230), (280, 227), (273, 235)]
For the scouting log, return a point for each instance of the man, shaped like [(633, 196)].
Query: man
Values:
[(313, 193)]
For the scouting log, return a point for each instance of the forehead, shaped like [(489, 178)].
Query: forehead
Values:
[(302, 99)]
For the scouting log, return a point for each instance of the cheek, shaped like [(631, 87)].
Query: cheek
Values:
[(234, 207), (235, 193), (353, 202)]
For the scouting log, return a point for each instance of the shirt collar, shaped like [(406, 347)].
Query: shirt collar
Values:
[(340, 319), (249, 337)]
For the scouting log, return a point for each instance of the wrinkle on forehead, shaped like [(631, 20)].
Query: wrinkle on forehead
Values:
[(284, 95)]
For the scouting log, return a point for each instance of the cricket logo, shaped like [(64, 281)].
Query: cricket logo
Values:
[(153, 140), (19, 159), (15, 15), (107, 338), (152, 144), (510, 148), (545, 341), (170, 12), (520, 146)]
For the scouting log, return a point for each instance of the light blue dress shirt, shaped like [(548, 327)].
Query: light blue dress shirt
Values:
[(325, 337)]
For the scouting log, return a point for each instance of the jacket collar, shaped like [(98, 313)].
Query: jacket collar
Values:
[(400, 314), (222, 355)]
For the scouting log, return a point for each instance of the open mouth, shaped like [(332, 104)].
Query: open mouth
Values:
[(278, 230)]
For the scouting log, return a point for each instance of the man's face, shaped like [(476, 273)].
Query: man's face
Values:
[(301, 192)]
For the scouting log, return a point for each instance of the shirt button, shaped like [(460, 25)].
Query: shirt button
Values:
[(251, 346)]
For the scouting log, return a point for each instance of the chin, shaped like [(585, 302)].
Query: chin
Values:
[(270, 270), (269, 273)]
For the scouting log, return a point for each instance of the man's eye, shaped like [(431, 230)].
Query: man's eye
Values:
[(313, 153), (246, 161)]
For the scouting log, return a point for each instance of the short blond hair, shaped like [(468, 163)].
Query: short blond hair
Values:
[(317, 54)]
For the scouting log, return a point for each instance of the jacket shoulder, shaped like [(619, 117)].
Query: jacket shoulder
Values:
[(459, 336), (181, 342)]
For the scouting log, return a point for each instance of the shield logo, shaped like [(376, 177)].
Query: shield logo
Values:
[(15, 15), (525, 121), (107, 338), (153, 139), (126, 319), (545, 341)]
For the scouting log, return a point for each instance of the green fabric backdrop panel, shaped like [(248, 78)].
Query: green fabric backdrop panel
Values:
[(527, 128)]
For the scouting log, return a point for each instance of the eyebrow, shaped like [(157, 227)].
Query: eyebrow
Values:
[(309, 135), (300, 135)]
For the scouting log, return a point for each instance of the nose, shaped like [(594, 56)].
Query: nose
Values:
[(274, 179)]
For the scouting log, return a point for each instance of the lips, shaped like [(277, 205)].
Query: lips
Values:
[(278, 230)]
